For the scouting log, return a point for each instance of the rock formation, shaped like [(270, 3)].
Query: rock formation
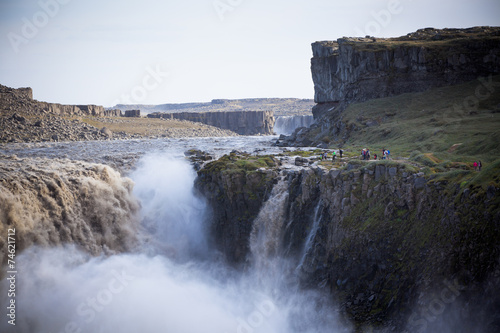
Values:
[(132, 113), (351, 70), (375, 235), (358, 69), (241, 122), (10, 97)]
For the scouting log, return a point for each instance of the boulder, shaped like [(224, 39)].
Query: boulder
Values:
[(106, 132)]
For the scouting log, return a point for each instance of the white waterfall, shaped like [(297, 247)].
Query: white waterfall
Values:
[(287, 124), (266, 236), (312, 234)]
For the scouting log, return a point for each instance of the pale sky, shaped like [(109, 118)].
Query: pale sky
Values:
[(152, 52)]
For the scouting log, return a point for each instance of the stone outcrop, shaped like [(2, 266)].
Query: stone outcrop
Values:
[(7, 93), (132, 113), (241, 122), (242, 194), (357, 69), (352, 70), (22, 98), (380, 237), (78, 110)]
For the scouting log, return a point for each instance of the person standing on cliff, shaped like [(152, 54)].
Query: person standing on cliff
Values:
[(479, 165), (334, 154), (475, 166), (340, 152)]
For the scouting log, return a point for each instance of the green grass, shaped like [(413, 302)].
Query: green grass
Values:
[(432, 121), (240, 163)]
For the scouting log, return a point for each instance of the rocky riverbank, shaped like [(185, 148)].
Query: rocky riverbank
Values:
[(23, 119)]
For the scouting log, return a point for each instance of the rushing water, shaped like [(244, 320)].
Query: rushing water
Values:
[(172, 281), (129, 151), (287, 124)]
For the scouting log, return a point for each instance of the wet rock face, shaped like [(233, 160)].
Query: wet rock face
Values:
[(235, 199), (359, 69), (380, 237)]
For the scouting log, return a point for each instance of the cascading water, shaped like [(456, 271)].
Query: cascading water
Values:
[(170, 211), (287, 124), (312, 234), (266, 236), (165, 285)]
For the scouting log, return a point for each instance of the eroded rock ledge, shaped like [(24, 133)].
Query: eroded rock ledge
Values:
[(358, 69), (384, 236)]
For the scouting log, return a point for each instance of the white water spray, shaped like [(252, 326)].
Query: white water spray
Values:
[(63, 290)]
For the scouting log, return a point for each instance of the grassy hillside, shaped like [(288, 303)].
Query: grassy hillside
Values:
[(456, 123)]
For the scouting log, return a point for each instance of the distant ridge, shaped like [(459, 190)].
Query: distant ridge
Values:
[(280, 106)]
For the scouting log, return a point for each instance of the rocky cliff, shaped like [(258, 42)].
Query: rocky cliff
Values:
[(381, 237), (353, 70), (358, 69), (241, 122), (22, 98)]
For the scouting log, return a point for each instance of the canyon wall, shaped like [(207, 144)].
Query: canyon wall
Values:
[(358, 69), (78, 110), (241, 122), (379, 237)]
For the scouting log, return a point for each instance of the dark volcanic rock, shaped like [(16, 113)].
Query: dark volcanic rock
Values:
[(358, 69), (382, 239)]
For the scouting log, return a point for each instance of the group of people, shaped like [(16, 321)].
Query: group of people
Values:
[(365, 154), (324, 156)]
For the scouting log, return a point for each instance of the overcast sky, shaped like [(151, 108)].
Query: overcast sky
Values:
[(168, 51)]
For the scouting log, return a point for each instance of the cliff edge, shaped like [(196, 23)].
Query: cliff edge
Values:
[(351, 71)]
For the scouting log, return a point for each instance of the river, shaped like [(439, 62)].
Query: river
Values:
[(171, 280)]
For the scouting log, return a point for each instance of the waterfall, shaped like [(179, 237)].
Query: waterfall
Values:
[(51, 202), (63, 289), (287, 124), (170, 209), (266, 236), (312, 234)]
